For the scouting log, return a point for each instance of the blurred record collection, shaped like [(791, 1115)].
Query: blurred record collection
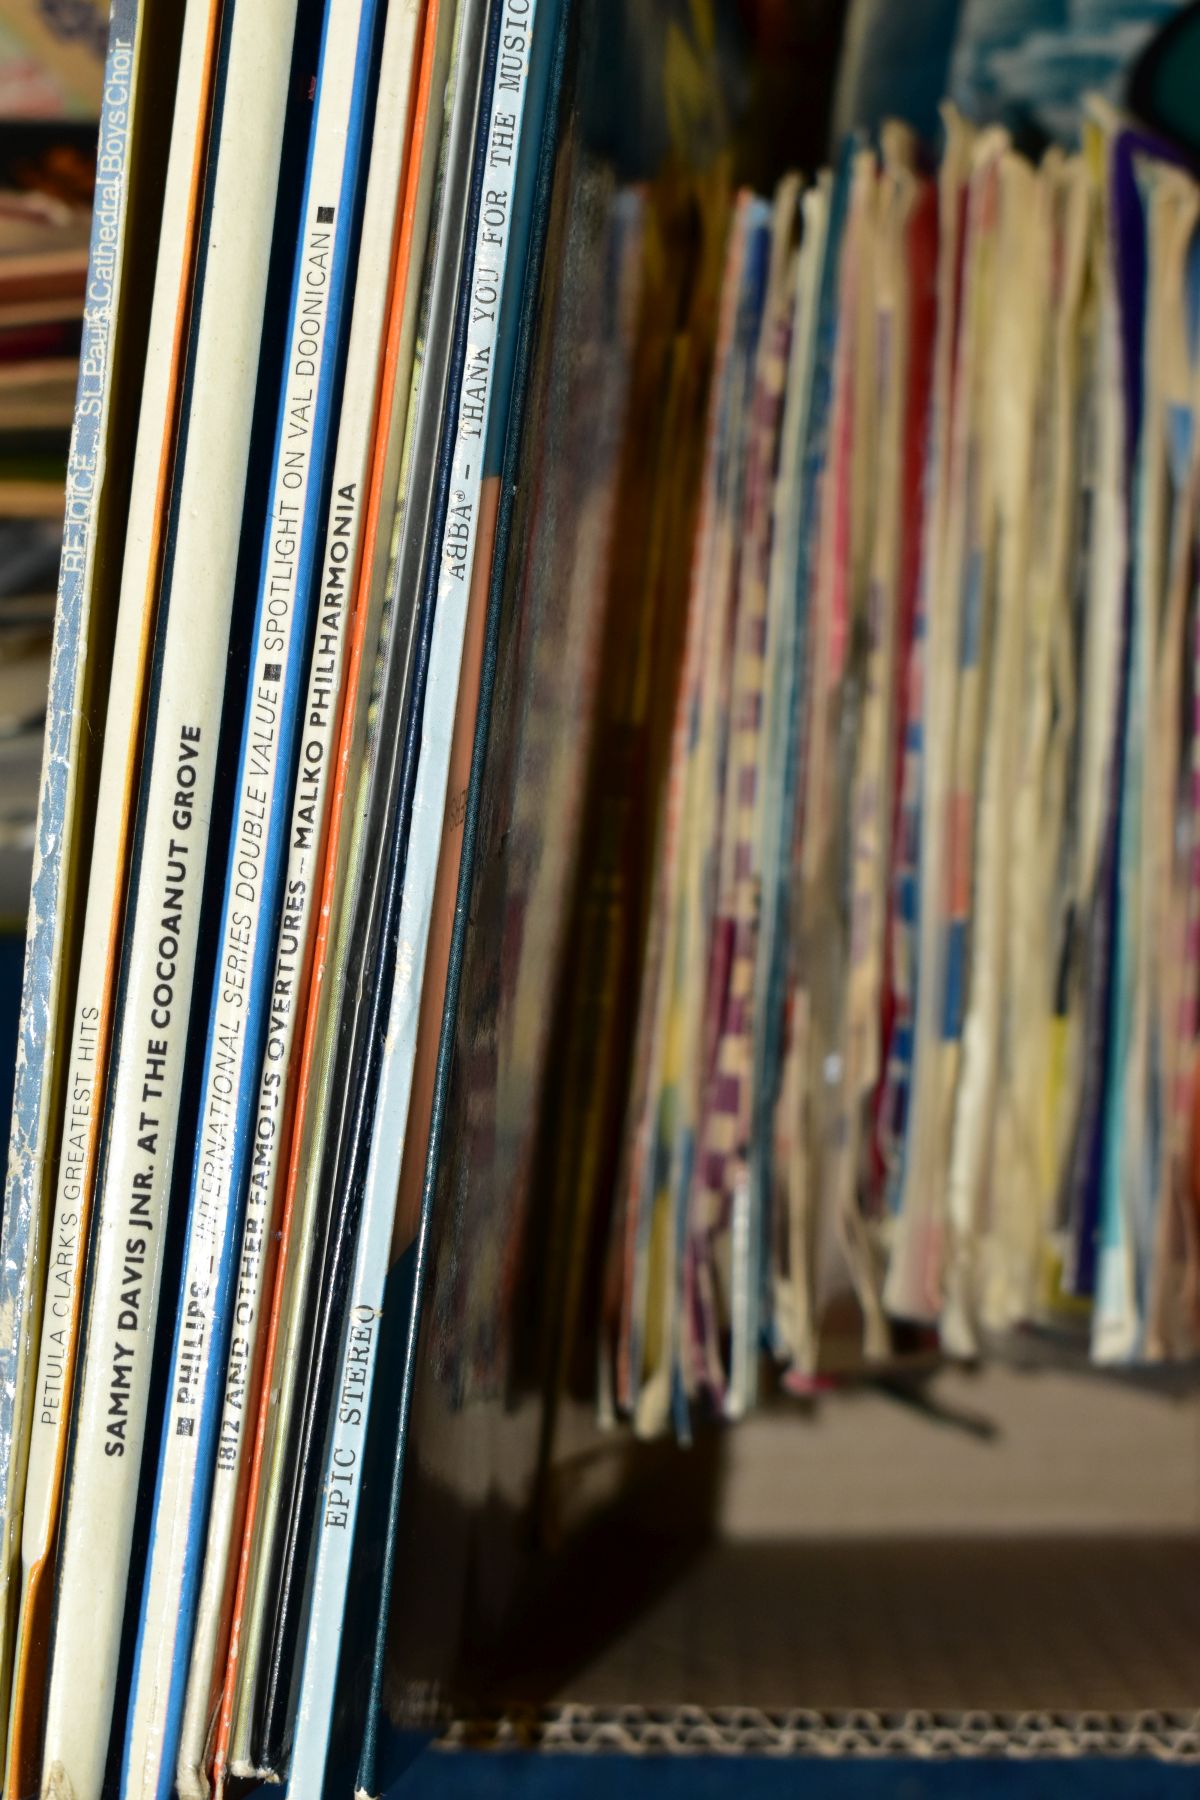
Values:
[(620, 805)]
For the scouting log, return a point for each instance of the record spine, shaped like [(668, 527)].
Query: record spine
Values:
[(165, 884), (89, 1042), (416, 1254), (339, 598), (244, 1004), (43, 997), (232, 1751), (367, 946), (344, 1456)]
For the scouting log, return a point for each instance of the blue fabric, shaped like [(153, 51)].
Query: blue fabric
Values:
[(1035, 60), (896, 64), (414, 1770)]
